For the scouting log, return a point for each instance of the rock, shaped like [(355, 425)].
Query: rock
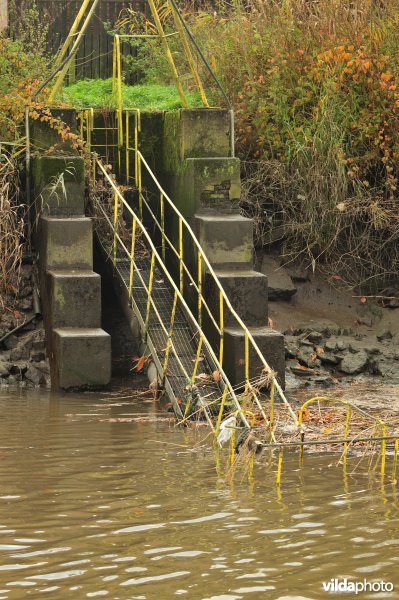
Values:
[(306, 342), (291, 349), (4, 368), (327, 328), (297, 274), (37, 356), (21, 351), (11, 342), (38, 345), (384, 335), (342, 345), (34, 375), (43, 367), (331, 345), (328, 358), (306, 356), (280, 286), (393, 303), (301, 370), (315, 337), (352, 364), (25, 304), (324, 381), (25, 292)]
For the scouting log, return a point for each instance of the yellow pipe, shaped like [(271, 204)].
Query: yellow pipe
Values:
[(168, 53), (150, 284), (60, 56), (189, 56), (221, 326), (61, 75), (132, 257)]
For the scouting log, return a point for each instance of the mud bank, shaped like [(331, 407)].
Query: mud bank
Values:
[(332, 334)]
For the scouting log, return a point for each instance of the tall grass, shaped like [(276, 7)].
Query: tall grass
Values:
[(315, 87)]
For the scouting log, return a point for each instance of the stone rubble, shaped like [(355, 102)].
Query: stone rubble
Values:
[(23, 360)]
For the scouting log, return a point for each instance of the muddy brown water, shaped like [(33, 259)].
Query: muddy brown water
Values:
[(95, 503)]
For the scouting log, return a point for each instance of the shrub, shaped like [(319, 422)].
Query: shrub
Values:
[(316, 93)]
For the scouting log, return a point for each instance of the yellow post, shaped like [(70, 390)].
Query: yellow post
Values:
[(150, 283), (133, 244), (60, 56), (383, 449), (395, 459), (189, 56), (168, 52), (139, 186), (221, 325), (279, 466), (199, 288), (347, 425), (61, 75), (127, 146), (181, 272), (246, 350), (116, 207), (271, 415), (220, 415), (197, 359), (162, 205)]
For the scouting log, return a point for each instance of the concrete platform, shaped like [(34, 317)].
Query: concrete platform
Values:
[(65, 243), (227, 240), (81, 358), (74, 298), (247, 291), (271, 345)]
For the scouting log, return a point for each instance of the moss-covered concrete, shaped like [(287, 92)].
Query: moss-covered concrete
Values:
[(59, 185), (74, 298)]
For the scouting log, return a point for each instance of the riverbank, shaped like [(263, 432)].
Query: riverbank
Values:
[(333, 335)]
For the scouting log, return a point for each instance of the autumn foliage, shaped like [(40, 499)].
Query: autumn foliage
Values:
[(315, 86)]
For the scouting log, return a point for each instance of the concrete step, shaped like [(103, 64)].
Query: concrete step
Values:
[(59, 185), (80, 358), (227, 240), (271, 345), (247, 292), (65, 243), (74, 298)]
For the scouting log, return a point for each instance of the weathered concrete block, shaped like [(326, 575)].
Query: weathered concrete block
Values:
[(200, 132), (227, 240), (74, 299), (59, 185), (247, 292), (280, 283), (205, 185), (81, 357), (44, 136), (65, 243), (271, 345)]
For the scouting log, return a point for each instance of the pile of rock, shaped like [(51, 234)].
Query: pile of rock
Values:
[(323, 353), (23, 359)]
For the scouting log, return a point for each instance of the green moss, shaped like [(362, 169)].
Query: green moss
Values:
[(97, 93)]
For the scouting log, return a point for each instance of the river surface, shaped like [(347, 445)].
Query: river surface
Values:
[(99, 498)]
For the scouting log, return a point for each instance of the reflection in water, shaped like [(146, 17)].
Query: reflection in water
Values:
[(94, 503)]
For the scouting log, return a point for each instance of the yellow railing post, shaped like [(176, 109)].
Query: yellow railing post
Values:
[(189, 56), (116, 210), (162, 206), (246, 360), (347, 425), (181, 271), (271, 415), (132, 248), (139, 186), (199, 288), (395, 459), (221, 326), (150, 284), (279, 466), (383, 449), (169, 56)]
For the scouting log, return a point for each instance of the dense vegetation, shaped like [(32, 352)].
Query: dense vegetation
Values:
[(315, 88)]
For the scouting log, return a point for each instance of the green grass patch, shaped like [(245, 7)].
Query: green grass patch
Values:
[(97, 93)]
